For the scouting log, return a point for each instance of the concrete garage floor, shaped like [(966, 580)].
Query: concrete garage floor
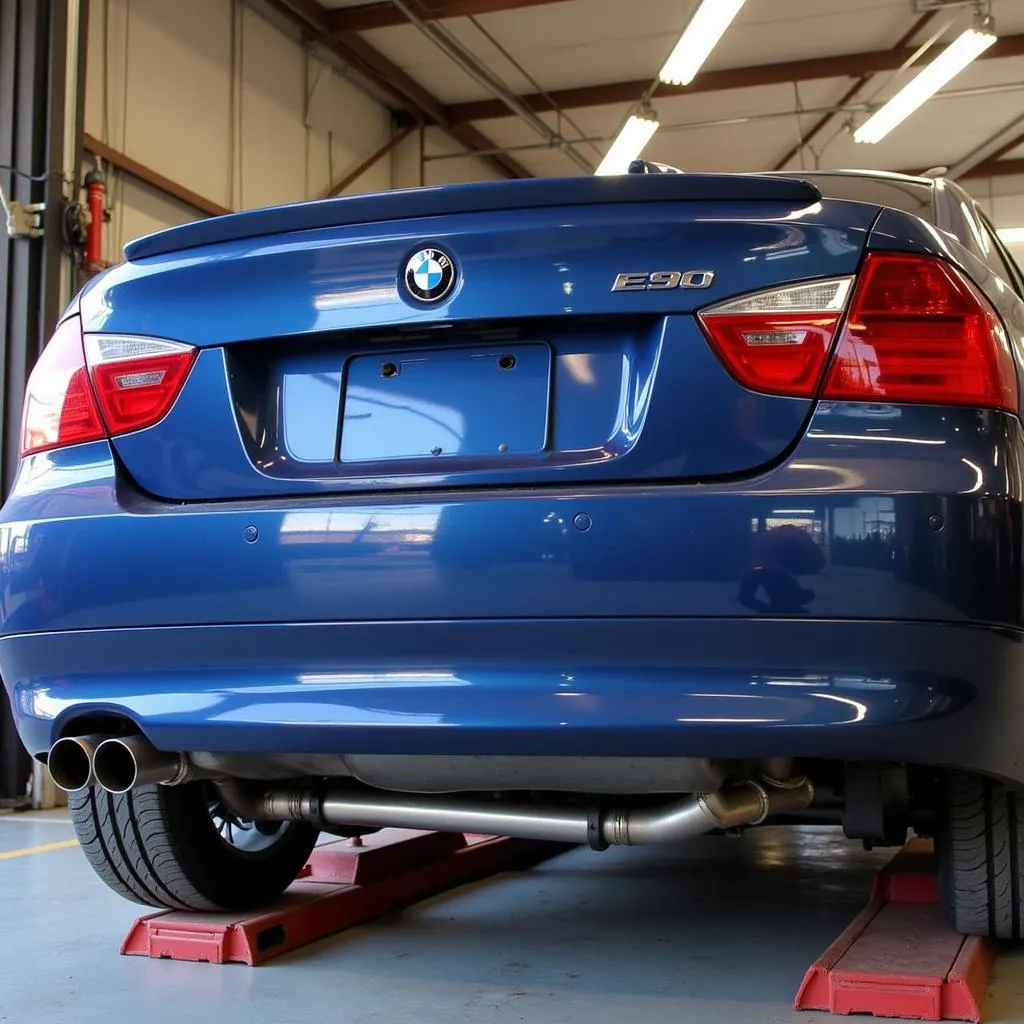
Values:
[(716, 931)]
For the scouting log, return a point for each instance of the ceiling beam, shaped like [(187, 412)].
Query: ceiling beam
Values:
[(997, 169), (858, 84), (154, 179), (337, 187), (1003, 150), (988, 169), (1002, 143), (408, 95), (994, 167), (847, 65), (429, 107), (385, 15)]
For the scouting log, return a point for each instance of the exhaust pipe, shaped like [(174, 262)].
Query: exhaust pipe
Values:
[(121, 763), (70, 762), (748, 803)]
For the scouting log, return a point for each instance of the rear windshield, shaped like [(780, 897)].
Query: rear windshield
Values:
[(909, 196)]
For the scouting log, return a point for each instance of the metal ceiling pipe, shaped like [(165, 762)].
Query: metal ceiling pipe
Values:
[(449, 45), (742, 119), (748, 803), (1008, 137), (70, 762)]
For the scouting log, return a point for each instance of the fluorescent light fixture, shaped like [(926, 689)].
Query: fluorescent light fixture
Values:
[(1012, 236), (700, 37), (628, 145), (925, 84)]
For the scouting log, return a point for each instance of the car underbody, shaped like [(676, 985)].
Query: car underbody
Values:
[(599, 801)]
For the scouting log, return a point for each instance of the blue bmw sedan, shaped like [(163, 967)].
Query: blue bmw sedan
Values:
[(606, 511)]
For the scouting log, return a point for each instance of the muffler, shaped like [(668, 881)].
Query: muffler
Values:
[(121, 763), (748, 803), (70, 762)]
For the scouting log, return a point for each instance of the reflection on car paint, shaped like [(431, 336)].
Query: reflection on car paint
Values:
[(847, 526)]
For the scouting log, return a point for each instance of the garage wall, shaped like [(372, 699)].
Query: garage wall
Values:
[(215, 97), (406, 163)]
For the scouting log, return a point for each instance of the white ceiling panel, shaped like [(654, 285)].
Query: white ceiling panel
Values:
[(580, 43), (584, 42)]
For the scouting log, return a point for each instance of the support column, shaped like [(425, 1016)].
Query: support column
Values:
[(42, 87)]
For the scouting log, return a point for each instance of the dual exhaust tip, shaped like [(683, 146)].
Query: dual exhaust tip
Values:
[(116, 764)]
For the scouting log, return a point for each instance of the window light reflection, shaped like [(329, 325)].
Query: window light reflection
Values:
[(375, 679), (860, 709)]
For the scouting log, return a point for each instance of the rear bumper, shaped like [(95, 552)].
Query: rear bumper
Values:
[(915, 692), (923, 525), (617, 620)]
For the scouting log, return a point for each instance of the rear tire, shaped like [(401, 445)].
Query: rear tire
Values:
[(981, 850), (159, 845)]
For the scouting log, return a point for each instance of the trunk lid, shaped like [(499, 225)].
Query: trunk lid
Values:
[(561, 345)]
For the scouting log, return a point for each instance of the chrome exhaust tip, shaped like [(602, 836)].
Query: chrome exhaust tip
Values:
[(70, 762), (124, 762)]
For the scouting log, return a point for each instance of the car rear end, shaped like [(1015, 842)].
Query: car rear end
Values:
[(606, 486)]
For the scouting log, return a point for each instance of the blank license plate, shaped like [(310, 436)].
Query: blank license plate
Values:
[(472, 402)]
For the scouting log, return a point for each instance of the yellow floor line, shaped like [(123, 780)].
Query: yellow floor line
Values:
[(32, 818), (64, 844)]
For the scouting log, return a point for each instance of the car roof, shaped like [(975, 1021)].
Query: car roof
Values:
[(857, 172)]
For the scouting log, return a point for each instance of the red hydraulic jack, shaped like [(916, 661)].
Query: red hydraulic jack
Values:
[(899, 957), (344, 883)]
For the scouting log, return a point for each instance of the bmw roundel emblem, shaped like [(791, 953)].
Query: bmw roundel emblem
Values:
[(429, 275)]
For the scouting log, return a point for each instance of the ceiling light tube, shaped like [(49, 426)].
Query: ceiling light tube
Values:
[(699, 38), (1012, 236), (628, 145), (969, 45)]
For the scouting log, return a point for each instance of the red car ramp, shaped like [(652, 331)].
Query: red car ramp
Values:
[(898, 958), (344, 883)]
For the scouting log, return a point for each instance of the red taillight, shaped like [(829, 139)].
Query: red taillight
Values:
[(137, 379), (99, 386), (60, 408), (778, 341), (919, 331)]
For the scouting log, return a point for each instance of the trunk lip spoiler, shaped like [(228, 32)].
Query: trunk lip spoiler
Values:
[(480, 197)]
